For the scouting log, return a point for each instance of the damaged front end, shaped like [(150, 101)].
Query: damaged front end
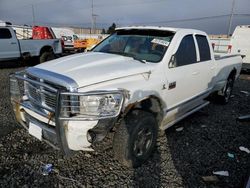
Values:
[(58, 114)]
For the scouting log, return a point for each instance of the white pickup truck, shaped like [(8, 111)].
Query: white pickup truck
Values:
[(138, 80), (11, 48)]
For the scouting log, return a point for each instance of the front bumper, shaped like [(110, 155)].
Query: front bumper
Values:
[(66, 135)]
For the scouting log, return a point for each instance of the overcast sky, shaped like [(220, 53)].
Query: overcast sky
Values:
[(211, 16)]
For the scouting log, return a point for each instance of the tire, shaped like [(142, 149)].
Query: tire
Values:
[(135, 138), (46, 56), (227, 91), (82, 50)]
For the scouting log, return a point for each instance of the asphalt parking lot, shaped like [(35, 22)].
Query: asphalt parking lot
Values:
[(181, 158)]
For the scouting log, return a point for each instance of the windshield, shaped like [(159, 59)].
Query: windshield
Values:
[(75, 37), (144, 45)]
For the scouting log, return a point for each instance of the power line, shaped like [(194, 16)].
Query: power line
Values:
[(127, 4), (242, 15), (190, 19), (185, 20), (88, 24)]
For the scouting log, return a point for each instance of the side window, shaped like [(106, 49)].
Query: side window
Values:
[(203, 48), (5, 33), (186, 53)]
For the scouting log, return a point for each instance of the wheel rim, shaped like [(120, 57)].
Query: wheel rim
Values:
[(143, 142)]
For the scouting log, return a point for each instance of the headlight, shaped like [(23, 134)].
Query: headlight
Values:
[(95, 105)]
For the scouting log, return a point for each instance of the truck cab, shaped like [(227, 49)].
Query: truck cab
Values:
[(9, 48)]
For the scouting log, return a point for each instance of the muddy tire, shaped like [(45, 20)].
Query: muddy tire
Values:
[(135, 138), (46, 56)]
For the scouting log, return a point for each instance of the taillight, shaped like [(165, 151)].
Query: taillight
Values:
[(229, 48)]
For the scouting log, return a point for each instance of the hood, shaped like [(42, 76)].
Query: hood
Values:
[(94, 67)]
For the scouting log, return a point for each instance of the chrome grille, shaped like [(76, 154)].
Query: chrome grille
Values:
[(50, 100), (33, 93), (40, 95)]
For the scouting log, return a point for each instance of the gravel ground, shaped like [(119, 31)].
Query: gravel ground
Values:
[(180, 160)]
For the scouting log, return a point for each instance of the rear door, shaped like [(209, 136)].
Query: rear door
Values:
[(9, 48), (205, 66)]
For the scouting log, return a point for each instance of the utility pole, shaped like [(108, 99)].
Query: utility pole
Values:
[(231, 19), (33, 15), (93, 19)]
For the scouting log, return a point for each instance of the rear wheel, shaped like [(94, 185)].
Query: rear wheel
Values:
[(227, 91), (46, 56), (135, 138)]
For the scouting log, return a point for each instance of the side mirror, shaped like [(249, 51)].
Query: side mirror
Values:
[(172, 62)]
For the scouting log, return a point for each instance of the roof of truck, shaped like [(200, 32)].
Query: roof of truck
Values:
[(149, 27), (159, 28)]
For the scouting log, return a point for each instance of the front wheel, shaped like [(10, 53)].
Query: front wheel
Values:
[(135, 138)]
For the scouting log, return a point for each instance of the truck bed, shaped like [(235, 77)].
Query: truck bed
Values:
[(34, 46)]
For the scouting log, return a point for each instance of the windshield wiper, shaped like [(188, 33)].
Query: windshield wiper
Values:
[(142, 61), (128, 55)]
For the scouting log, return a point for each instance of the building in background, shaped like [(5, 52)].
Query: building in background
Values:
[(79, 31)]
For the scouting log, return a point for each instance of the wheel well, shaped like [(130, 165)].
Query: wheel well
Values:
[(232, 73), (46, 49), (151, 104)]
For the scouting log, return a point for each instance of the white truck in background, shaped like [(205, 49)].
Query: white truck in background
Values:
[(238, 43), (136, 81), (67, 35), (12, 48)]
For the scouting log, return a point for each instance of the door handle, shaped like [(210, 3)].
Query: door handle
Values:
[(13, 43), (195, 73)]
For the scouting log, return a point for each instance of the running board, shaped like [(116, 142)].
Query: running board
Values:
[(185, 115)]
